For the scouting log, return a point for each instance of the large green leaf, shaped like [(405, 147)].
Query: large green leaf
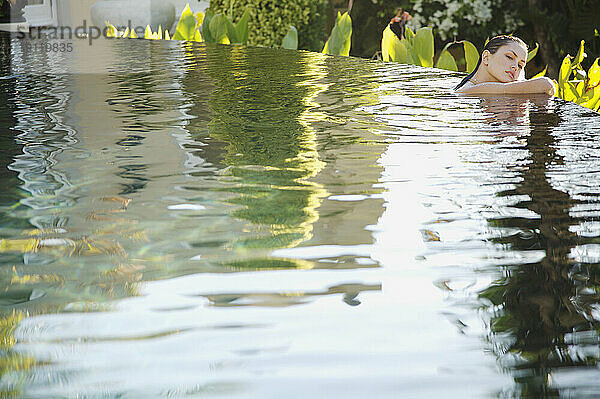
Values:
[(564, 72), (580, 54), (392, 49), (446, 60), (411, 56), (594, 74), (242, 27), (186, 27), (533, 52), (290, 41), (232, 33), (423, 46), (471, 55), (218, 29), (341, 35), (206, 26), (409, 34)]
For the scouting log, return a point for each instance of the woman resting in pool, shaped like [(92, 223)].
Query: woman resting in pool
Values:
[(500, 70)]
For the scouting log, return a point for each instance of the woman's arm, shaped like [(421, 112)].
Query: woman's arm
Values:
[(536, 85)]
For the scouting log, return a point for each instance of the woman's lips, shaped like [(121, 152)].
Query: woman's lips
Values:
[(511, 74)]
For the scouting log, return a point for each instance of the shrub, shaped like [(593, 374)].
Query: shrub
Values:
[(270, 20)]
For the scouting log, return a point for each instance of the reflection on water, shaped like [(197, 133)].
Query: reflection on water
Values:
[(231, 221), (543, 318)]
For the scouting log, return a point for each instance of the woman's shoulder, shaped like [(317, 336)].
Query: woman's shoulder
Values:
[(468, 84)]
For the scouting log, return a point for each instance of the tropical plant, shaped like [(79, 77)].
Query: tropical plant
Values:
[(417, 48), (340, 40), (575, 84)]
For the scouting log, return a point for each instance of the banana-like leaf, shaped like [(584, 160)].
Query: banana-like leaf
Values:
[(412, 56), (580, 54), (593, 74), (232, 33), (242, 27), (446, 61), (341, 35), (206, 26), (471, 55), (218, 29), (290, 41), (186, 27), (423, 46), (564, 72), (543, 73), (533, 52), (392, 49)]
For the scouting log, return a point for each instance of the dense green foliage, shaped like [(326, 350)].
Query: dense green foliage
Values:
[(270, 20)]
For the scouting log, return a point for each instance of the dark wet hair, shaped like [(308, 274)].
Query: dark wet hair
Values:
[(492, 46)]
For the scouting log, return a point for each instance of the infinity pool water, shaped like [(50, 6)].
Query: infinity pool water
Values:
[(214, 221)]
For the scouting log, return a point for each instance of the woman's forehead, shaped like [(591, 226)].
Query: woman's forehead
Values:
[(516, 48)]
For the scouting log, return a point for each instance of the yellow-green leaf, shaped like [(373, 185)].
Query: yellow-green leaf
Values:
[(186, 26), (339, 41), (232, 34), (580, 54), (471, 55), (392, 49), (594, 74), (206, 26), (290, 41), (242, 27), (565, 72), (570, 92), (409, 34), (218, 29), (533, 52), (446, 61), (543, 73), (423, 46), (198, 37)]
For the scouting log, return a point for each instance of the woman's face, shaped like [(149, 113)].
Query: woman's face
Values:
[(507, 63)]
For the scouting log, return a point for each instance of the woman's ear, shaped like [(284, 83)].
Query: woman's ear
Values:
[(485, 57)]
